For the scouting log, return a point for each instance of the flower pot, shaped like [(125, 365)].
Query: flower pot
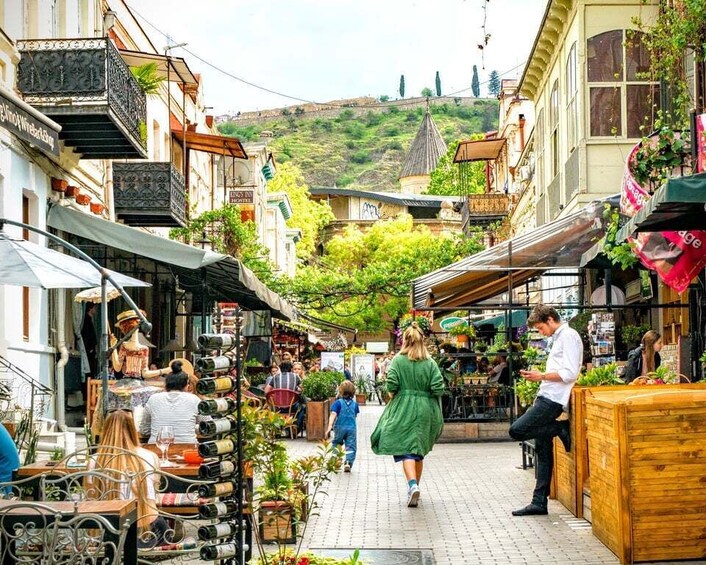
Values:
[(277, 522), (462, 340), (72, 191), (60, 185), (97, 208), (361, 398), (83, 199), (317, 414)]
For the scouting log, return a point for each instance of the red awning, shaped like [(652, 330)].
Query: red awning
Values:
[(217, 144)]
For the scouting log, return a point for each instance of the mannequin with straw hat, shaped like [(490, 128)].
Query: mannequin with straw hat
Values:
[(132, 357)]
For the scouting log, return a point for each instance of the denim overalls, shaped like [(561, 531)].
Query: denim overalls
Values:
[(345, 428)]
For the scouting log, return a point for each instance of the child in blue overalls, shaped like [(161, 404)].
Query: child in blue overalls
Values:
[(343, 414)]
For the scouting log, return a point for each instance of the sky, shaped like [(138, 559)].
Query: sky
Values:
[(321, 50)]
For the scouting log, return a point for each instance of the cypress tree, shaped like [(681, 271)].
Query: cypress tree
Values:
[(475, 85), (401, 86), (438, 84), (494, 83)]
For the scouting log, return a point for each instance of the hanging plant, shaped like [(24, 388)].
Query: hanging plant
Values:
[(661, 156), (147, 77), (620, 254)]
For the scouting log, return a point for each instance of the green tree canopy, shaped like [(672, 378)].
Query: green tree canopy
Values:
[(309, 216), (445, 180), (364, 278), (494, 83), (475, 84)]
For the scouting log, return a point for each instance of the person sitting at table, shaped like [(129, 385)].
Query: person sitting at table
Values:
[(483, 365), (500, 373), (119, 454), (9, 458), (176, 407), (289, 380)]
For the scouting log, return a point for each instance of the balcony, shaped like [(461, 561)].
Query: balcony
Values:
[(484, 209), (149, 194), (84, 85)]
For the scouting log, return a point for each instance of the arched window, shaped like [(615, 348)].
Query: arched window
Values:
[(572, 89), (621, 96)]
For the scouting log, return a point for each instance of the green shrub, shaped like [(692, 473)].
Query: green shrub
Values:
[(360, 157), (320, 385)]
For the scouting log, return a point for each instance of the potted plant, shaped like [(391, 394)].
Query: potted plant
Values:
[(361, 391), (318, 387), (463, 334)]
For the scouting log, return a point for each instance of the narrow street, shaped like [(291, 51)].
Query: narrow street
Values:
[(468, 492)]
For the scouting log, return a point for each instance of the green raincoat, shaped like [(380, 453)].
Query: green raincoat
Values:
[(412, 421)]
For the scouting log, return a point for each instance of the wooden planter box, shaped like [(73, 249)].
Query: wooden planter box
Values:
[(317, 415), (647, 472), (572, 470), (277, 522)]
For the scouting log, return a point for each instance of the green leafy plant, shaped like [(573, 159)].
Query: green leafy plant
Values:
[(142, 130), (526, 391), (468, 330), (257, 379), (632, 335), (361, 386), (422, 321), (620, 254), (601, 376), (321, 385), (659, 155), (57, 454), (148, 77), (703, 358)]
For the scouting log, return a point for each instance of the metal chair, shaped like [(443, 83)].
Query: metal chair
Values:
[(286, 402)]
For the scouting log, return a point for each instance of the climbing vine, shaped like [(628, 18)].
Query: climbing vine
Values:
[(620, 254)]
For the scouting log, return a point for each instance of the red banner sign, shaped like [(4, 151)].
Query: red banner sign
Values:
[(677, 257)]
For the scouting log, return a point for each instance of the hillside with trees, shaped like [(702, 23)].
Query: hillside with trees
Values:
[(364, 151)]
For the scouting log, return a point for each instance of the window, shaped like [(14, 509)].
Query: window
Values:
[(539, 144), (572, 114), (554, 128), (621, 96)]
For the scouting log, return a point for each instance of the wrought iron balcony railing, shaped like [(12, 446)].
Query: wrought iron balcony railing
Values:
[(149, 194), (84, 85)]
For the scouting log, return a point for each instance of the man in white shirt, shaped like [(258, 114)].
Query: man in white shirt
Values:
[(540, 421)]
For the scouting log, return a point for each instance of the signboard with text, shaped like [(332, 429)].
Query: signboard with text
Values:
[(24, 125), (241, 197)]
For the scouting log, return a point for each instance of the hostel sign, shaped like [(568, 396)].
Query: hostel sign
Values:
[(24, 125), (241, 197)]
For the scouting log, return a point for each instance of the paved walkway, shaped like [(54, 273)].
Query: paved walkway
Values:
[(468, 492)]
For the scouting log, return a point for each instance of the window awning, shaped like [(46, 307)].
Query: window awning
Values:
[(479, 150), (675, 206), (556, 245), (517, 318), (173, 67), (227, 278), (216, 144)]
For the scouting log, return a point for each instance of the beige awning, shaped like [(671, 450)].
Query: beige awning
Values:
[(480, 150), (173, 67)]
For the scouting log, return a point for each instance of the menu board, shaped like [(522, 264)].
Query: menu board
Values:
[(601, 332)]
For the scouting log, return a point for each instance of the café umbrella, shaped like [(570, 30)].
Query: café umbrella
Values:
[(23, 263)]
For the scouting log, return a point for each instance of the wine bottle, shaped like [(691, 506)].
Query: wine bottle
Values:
[(219, 385), (217, 406), (222, 530), (211, 364), (219, 551), (216, 341), (216, 469), (217, 426), (217, 509), (218, 447), (216, 489)]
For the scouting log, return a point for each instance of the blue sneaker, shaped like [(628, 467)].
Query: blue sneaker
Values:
[(413, 496)]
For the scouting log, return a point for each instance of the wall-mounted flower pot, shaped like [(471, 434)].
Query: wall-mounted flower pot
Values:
[(72, 191), (60, 185), (97, 208), (83, 199)]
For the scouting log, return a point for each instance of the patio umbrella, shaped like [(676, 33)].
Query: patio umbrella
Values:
[(94, 294), (23, 263)]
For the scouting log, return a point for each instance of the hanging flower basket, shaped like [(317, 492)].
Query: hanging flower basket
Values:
[(83, 199), (72, 191), (60, 185), (407, 320), (97, 208)]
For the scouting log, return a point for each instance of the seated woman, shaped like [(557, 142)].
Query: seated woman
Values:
[(500, 373), (119, 454), (177, 407)]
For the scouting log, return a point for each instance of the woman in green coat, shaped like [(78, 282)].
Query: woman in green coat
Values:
[(412, 421)]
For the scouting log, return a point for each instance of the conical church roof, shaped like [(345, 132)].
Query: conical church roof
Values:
[(426, 149)]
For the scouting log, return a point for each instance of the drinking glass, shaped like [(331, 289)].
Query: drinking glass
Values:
[(165, 438)]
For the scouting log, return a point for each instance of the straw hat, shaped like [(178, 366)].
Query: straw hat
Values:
[(128, 315)]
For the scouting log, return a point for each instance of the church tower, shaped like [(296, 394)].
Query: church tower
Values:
[(423, 156)]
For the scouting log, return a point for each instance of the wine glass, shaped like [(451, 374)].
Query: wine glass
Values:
[(165, 438)]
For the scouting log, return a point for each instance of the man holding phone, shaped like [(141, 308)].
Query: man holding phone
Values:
[(540, 421)]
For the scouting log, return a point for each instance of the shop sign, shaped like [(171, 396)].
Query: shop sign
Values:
[(241, 197), (451, 322), (25, 126), (701, 143), (377, 346)]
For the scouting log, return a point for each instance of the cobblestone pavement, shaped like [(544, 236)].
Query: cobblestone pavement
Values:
[(468, 492)]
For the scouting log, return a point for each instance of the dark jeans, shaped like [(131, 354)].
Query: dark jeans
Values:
[(539, 423)]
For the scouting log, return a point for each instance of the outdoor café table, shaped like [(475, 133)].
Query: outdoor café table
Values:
[(116, 512)]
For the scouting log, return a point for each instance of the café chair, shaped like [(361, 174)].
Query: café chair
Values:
[(286, 402), (86, 485)]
